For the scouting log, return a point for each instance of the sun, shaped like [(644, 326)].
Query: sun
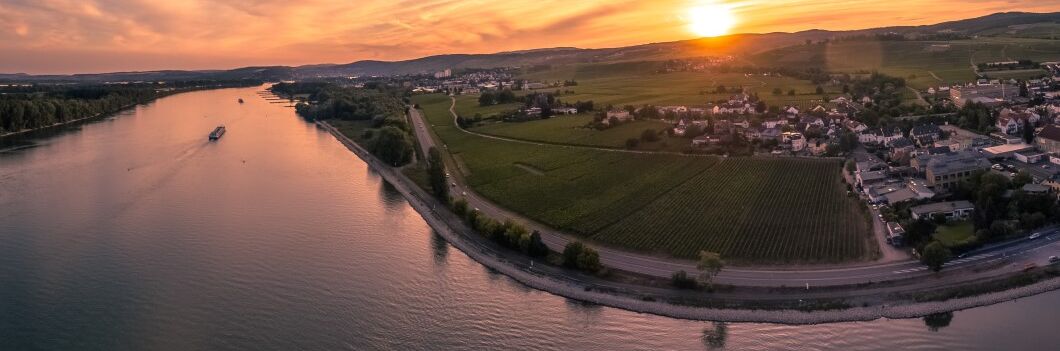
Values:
[(710, 20)]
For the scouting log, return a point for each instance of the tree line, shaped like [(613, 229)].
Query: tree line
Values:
[(389, 137), (42, 105)]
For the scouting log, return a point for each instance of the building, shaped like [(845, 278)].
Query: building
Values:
[(565, 110), (990, 95), (1048, 139), (621, 115), (1007, 150), (953, 210), (1029, 157), (925, 134), (948, 170), (444, 74)]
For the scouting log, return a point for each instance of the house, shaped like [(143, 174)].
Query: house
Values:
[(950, 144), (1048, 139), (987, 94), (925, 134), (901, 148), (733, 107), (855, 126), (774, 123), (798, 142), (817, 147), (769, 134), (1029, 157), (952, 210), (1008, 125)]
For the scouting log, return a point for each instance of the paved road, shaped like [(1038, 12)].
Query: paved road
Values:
[(1015, 253)]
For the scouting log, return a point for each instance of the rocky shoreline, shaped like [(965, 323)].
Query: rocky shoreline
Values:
[(426, 209)]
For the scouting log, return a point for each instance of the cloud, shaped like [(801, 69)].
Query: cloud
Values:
[(100, 35)]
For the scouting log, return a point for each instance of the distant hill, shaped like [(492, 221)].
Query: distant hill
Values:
[(999, 24)]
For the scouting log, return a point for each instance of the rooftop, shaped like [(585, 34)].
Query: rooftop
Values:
[(939, 207)]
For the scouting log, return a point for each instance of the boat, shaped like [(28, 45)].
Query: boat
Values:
[(241, 100), (217, 133)]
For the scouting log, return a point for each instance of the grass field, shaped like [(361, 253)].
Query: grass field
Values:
[(955, 234), (666, 204), (755, 209)]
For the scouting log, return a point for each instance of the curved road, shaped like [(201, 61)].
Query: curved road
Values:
[(1008, 256)]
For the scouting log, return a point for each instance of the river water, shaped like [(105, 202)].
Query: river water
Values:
[(135, 232)]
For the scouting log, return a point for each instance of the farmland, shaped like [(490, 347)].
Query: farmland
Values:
[(639, 87), (572, 130), (761, 210), (922, 63), (751, 210)]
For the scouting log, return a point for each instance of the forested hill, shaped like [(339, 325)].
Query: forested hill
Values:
[(29, 107)]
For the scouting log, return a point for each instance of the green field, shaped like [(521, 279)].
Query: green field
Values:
[(757, 209), (922, 63), (955, 234), (640, 87), (627, 200), (573, 130)]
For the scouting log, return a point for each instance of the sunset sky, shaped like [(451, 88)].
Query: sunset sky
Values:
[(70, 36)]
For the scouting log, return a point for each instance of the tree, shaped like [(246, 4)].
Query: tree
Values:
[(1028, 132), (571, 253), (589, 260), (392, 145), (791, 92), (537, 247), (777, 91), (436, 172), (710, 264), (632, 143), (649, 135), (460, 207), (1022, 178), (820, 90), (487, 99), (935, 255), (937, 321), (681, 280)]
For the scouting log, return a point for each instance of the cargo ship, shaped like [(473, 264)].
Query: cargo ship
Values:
[(217, 133)]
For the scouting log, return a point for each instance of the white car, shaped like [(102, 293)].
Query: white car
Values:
[(1035, 236), (1054, 259)]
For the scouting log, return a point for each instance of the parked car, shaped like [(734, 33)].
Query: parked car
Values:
[(1054, 259), (1035, 236)]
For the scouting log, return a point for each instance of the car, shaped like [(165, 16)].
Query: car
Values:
[(1054, 259), (1045, 166), (1035, 236), (463, 193)]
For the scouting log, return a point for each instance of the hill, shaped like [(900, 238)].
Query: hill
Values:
[(1009, 24)]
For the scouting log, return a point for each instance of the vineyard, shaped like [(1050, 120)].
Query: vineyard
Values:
[(756, 210), (753, 210)]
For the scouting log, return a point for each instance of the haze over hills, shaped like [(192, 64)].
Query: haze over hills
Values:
[(1013, 24)]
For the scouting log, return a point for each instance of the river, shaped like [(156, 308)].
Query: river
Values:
[(134, 232)]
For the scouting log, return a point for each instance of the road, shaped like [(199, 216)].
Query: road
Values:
[(1015, 253)]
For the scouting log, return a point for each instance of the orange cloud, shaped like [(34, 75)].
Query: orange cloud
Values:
[(66, 36)]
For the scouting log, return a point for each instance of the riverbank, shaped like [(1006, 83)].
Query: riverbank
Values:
[(582, 288), (111, 113)]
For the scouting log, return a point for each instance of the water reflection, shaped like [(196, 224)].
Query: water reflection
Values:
[(714, 338), (938, 321), (440, 248)]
